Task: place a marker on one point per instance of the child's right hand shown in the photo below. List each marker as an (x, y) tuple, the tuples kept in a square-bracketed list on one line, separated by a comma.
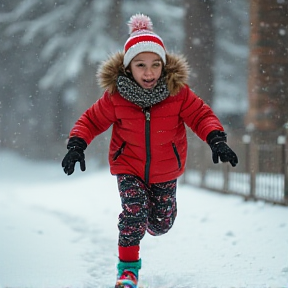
[(76, 148)]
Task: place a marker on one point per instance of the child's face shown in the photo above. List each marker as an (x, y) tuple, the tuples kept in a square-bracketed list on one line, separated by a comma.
[(146, 69)]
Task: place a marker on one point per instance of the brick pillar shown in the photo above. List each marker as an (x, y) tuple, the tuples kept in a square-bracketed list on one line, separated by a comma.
[(268, 65)]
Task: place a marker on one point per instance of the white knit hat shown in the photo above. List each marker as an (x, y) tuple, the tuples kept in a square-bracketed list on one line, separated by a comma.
[(142, 39)]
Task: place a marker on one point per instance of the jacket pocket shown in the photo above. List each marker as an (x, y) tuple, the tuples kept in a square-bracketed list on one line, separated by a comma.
[(177, 155), (119, 151)]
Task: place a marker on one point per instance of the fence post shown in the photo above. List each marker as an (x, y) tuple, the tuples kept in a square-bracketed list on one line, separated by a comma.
[(246, 139), (286, 164), (254, 166), (203, 167), (225, 177)]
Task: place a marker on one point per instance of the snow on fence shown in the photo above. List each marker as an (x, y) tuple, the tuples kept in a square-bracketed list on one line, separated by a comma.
[(261, 174)]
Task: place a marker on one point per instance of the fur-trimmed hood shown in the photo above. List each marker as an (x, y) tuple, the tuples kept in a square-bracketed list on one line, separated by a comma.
[(176, 72)]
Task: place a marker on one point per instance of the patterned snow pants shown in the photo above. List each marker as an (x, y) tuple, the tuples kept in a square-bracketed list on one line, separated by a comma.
[(152, 209)]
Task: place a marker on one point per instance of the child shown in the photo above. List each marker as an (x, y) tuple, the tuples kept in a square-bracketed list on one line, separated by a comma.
[(148, 102)]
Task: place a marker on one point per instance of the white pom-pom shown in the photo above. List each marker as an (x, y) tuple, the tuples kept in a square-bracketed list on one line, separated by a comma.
[(140, 22)]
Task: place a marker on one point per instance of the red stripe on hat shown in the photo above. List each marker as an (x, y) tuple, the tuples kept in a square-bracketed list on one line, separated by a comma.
[(143, 38)]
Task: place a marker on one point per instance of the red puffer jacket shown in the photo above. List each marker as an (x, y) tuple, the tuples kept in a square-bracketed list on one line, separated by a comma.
[(149, 143)]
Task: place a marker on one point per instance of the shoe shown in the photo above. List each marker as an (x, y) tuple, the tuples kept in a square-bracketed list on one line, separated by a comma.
[(128, 274)]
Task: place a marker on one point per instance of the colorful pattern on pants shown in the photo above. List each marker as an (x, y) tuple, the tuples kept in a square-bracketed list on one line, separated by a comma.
[(152, 209)]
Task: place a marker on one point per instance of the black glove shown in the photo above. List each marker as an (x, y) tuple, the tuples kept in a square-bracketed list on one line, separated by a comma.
[(217, 142), (76, 148)]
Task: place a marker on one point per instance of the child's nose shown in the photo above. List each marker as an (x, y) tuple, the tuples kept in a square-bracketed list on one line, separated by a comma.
[(148, 71)]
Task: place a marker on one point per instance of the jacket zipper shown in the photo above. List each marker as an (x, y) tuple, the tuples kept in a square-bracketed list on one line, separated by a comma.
[(147, 144)]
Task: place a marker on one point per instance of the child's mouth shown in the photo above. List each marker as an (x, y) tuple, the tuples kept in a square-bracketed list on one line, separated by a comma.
[(149, 83)]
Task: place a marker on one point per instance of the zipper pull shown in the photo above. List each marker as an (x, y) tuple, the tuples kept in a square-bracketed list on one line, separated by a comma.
[(147, 113)]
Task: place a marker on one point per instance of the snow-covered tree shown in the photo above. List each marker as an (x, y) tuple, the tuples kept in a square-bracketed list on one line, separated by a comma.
[(75, 32), (70, 32)]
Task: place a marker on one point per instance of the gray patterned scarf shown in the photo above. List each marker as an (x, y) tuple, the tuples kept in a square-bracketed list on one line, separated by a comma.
[(144, 98)]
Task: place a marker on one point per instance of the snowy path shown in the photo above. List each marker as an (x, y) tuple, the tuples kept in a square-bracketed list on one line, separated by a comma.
[(58, 231)]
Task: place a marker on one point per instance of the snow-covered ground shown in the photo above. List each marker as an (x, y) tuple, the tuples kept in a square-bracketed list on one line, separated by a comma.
[(58, 231)]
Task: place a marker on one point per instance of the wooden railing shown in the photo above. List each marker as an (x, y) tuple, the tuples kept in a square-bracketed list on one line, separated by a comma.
[(261, 174)]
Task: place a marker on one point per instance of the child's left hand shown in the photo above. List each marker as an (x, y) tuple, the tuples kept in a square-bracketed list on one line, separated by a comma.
[(217, 143), (224, 152)]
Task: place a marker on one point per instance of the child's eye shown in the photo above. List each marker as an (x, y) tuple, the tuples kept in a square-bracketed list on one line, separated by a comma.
[(140, 65), (156, 64)]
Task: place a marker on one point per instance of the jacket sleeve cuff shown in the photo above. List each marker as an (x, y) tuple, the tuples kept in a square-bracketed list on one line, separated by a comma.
[(216, 136)]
